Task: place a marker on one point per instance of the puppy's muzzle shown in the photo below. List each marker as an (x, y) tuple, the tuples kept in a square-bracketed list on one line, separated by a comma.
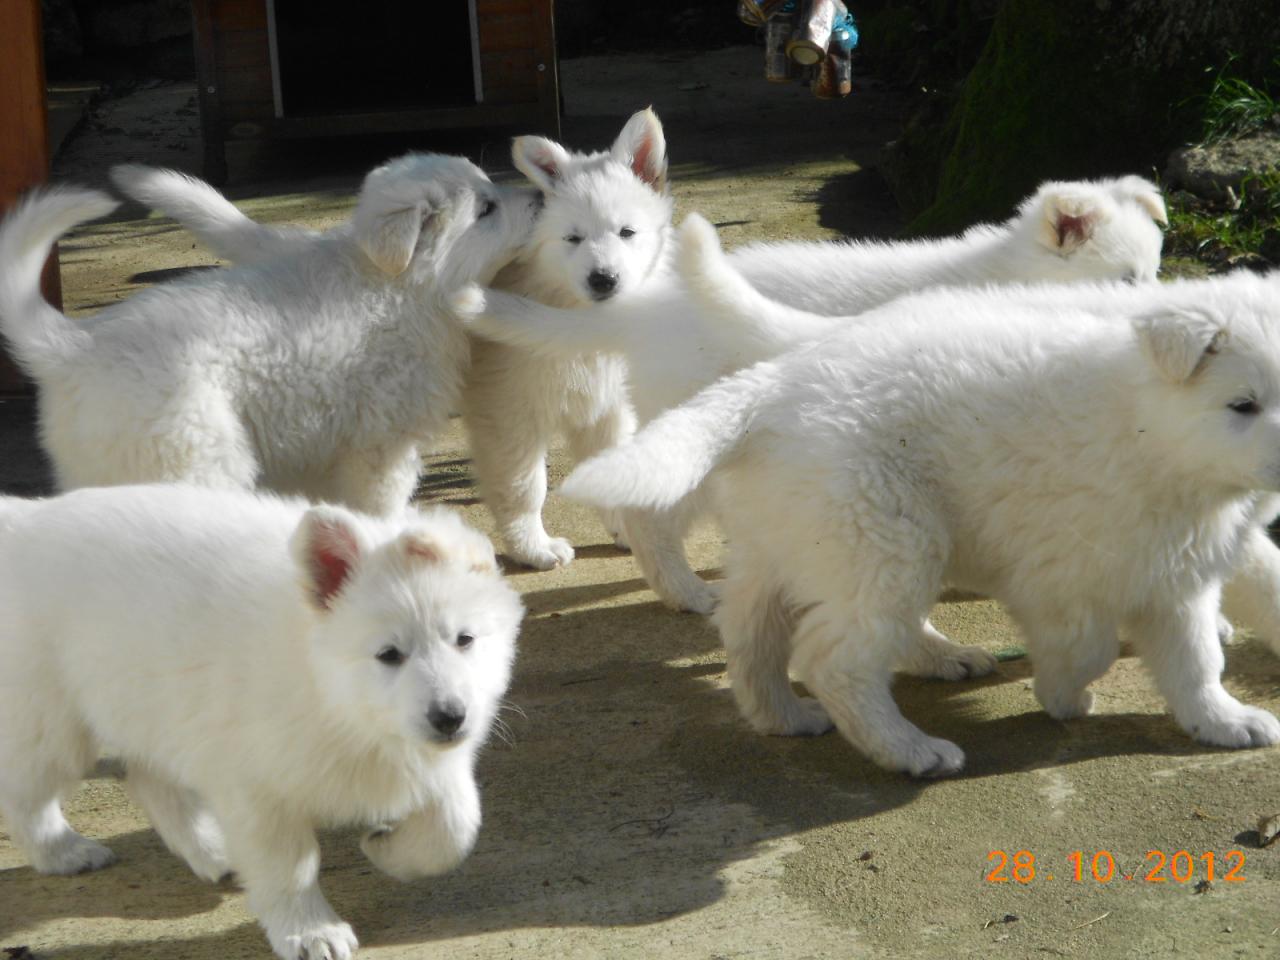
[(602, 284), (446, 720)]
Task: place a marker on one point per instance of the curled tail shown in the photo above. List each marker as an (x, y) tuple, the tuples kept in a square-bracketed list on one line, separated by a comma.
[(732, 304), (214, 219), (42, 337), (673, 454)]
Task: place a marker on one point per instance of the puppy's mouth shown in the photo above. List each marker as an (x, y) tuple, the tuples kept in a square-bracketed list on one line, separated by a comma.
[(600, 296)]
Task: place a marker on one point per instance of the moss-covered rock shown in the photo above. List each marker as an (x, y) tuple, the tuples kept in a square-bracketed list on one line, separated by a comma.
[(1075, 88)]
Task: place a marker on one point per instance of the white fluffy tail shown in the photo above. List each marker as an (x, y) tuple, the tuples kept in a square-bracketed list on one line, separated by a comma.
[(727, 298), (673, 454), (42, 338), (214, 219)]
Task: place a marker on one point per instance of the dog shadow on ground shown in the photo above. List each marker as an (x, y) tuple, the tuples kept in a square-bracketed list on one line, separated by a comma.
[(623, 790)]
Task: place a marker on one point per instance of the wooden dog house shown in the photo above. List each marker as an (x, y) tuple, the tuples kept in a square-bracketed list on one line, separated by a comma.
[(274, 69)]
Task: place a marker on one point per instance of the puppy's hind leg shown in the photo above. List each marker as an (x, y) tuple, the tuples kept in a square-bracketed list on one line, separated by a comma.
[(186, 828), (657, 541), (44, 753), (1252, 595), (755, 626), (614, 425), (845, 654)]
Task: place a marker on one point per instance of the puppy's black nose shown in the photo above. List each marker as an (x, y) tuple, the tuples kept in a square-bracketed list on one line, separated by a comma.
[(602, 283), (448, 718)]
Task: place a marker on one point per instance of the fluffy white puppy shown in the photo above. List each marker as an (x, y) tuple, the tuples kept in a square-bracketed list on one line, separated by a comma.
[(315, 372), (604, 235), (1097, 464), (674, 345), (264, 668)]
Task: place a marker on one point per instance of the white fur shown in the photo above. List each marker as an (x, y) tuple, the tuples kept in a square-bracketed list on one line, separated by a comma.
[(226, 645), (1076, 458), (676, 340), (317, 371), (515, 401)]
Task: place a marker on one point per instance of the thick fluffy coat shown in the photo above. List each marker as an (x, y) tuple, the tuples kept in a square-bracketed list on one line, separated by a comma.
[(603, 235), (263, 668), (674, 344), (318, 371), (1097, 462)]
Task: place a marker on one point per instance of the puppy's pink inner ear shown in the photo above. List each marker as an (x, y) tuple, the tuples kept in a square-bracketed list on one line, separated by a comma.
[(1073, 231), (645, 163), (421, 550), (331, 558)]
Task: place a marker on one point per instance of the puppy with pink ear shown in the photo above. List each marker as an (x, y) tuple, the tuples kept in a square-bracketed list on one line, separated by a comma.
[(264, 668)]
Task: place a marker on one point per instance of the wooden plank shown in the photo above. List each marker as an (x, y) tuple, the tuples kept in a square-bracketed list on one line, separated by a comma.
[(547, 67), (215, 158), (445, 118), (240, 15), (24, 158)]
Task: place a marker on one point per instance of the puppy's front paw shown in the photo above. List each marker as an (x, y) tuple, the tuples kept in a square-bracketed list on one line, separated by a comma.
[(72, 853), (1237, 726), (1062, 703), (963, 662), (544, 554), (1226, 632), (803, 717), (467, 303), (931, 757), (322, 941)]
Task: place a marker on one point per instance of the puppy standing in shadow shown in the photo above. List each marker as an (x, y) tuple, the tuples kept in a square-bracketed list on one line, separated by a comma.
[(318, 370), (603, 236), (1097, 458), (263, 668)]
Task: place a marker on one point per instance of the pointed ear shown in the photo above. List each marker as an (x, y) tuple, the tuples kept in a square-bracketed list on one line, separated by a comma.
[(389, 239), (643, 147), (1069, 219), (1180, 341), (327, 546), (543, 161), (1146, 195)]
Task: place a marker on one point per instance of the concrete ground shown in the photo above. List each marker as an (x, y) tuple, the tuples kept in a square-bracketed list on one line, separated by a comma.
[(629, 812)]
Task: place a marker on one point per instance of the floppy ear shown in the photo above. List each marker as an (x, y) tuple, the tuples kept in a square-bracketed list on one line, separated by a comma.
[(642, 146), (1069, 219), (543, 161), (1146, 195), (473, 551), (389, 239), (1180, 341), (327, 546)]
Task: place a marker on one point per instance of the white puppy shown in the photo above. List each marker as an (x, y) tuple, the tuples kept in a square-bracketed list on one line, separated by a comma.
[(1096, 463), (316, 372), (603, 236), (264, 668), (674, 345)]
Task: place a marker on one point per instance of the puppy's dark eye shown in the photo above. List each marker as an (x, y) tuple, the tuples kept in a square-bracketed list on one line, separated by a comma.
[(573, 238), (626, 233), (391, 656), (465, 640), (1246, 406), (488, 208)]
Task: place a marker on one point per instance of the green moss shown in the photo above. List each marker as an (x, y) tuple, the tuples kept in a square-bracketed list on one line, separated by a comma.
[(1062, 90)]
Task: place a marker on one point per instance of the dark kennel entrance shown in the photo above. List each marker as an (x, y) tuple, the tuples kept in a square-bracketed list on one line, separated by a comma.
[(396, 56), (270, 70)]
